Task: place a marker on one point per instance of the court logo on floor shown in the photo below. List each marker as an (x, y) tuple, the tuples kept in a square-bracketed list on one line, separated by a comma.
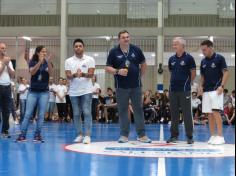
[(155, 150)]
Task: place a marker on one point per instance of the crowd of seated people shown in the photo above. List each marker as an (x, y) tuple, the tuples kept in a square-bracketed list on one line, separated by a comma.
[(156, 106)]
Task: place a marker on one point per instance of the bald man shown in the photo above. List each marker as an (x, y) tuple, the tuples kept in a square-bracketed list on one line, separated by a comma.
[(183, 71)]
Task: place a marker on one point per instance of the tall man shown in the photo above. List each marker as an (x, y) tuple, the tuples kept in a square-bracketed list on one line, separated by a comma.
[(127, 63), (80, 71), (214, 77), (183, 71), (6, 73)]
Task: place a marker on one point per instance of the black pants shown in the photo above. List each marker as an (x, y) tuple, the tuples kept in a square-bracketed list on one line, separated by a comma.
[(69, 110), (62, 112), (5, 103), (95, 103), (181, 100)]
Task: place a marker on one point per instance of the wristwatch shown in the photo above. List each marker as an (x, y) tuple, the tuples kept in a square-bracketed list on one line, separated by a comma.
[(117, 72)]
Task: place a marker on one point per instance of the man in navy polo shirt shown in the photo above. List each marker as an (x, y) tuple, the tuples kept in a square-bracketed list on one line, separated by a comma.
[(214, 77), (183, 71), (127, 63)]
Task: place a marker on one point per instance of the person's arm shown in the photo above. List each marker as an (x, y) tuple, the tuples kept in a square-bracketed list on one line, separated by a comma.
[(224, 81), (143, 68), (225, 76), (11, 70), (193, 69), (202, 80), (6, 62)]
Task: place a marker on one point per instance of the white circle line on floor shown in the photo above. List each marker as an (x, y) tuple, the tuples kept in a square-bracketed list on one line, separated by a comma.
[(157, 149)]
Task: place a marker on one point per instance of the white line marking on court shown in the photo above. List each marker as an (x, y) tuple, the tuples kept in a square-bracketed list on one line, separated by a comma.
[(161, 170)]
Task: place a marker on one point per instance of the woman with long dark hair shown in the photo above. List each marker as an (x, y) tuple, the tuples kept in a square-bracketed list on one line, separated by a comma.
[(40, 69)]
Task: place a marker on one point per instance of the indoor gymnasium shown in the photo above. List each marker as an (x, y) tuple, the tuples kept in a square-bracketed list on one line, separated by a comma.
[(117, 87)]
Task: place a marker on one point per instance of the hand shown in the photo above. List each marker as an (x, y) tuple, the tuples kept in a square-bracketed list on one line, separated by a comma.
[(79, 72), (41, 58), (123, 72), (50, 58), (6, 60), (200, 90), (220, 90)]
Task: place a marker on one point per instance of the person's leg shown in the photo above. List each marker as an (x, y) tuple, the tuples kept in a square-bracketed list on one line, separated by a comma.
[(86, 105), (6, 103), (60, 111), (122, 97), (219, 122), (185, 103), (217, 107), (75, 101), (175, 115), (42, 106), (65, 111), (212, 123), (137, 104), (30, 107), (22, 109)]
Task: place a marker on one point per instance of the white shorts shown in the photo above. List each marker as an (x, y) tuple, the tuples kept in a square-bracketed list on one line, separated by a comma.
[(212, 101)]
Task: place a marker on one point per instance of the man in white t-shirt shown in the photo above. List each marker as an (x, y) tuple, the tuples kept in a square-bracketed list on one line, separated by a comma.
[(79, 70), (23, 90), (6, 73), (52, 100), (61, 92)]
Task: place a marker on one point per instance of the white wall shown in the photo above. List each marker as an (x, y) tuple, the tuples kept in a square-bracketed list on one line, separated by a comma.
[(193, 7)]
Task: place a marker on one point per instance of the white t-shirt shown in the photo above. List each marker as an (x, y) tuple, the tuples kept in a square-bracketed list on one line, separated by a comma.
[(96, 86), (80, 86), (5, 79), (52, 97), (22, 87), (195, 103), (61, 91)]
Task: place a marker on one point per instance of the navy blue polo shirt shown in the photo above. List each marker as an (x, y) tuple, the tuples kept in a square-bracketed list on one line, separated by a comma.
[(180, 68), (39, 81), (117, 60), (212, 71)]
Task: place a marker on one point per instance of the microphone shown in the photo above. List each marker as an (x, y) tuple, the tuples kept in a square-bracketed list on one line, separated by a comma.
[(127, 64)]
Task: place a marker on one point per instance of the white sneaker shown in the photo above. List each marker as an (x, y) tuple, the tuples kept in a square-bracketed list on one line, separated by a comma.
[(79, 139), (211, 140), (219, 140), (87, 140)]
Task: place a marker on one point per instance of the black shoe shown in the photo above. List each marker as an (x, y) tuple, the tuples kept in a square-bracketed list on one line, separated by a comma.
[(21, 138), (172, 140), (190, 141), (6, 135), (38, 139)]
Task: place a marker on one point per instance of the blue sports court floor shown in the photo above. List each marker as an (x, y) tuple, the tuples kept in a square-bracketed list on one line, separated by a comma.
[(57, 157)]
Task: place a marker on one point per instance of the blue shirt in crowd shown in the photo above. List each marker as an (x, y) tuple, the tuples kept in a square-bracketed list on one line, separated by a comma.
[(117, 59), (180, 68), (39, 81), (212, 71)]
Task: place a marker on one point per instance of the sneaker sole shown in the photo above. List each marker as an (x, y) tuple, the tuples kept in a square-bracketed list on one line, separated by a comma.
[(38, 141), (21, 141), (146, 142), (123, 142)]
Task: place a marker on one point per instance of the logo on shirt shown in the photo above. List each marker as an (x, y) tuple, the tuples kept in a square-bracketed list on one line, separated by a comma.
[(120, 57), (204, 66), (213, 65), (133, 55), (84, 66), (173, 63), (182, 63)]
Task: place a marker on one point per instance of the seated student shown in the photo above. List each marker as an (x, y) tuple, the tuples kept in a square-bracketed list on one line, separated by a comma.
[(148, 108), (229, 113), (110, 107), (196, 104)]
